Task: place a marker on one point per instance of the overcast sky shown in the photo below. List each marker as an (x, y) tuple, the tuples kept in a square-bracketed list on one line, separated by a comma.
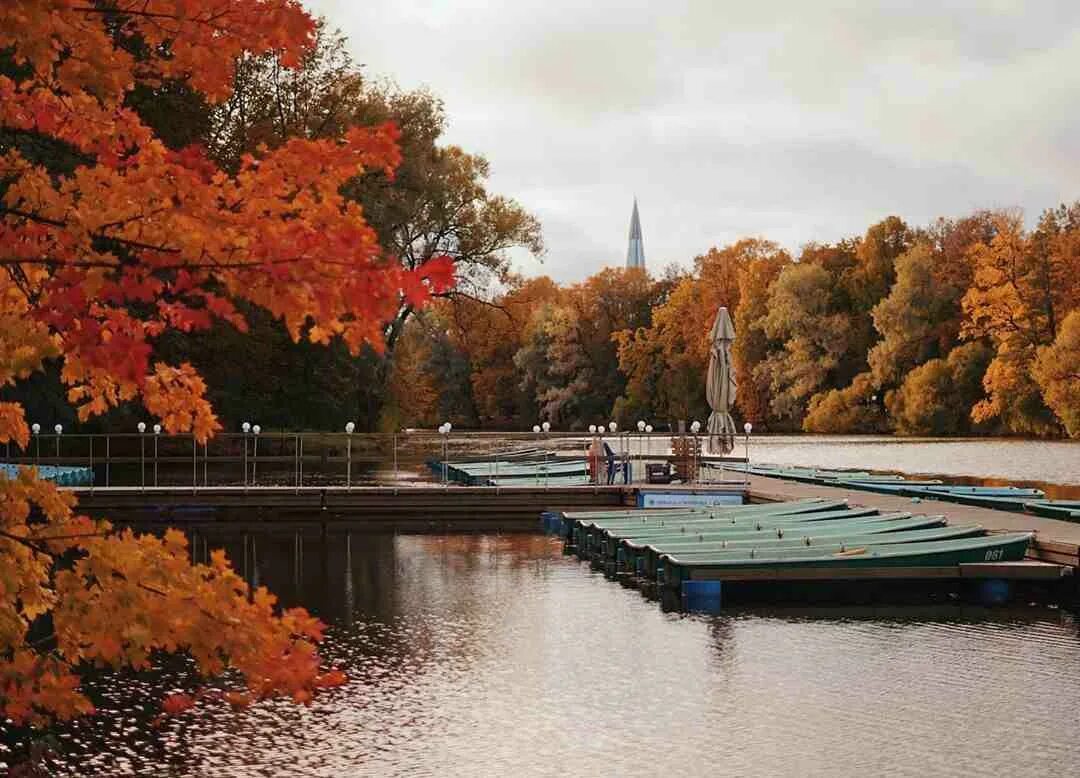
[(794, 120)]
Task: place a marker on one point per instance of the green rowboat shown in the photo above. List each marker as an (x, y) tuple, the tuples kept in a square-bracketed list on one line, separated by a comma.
[(1006, 547), (646, 565), (1069, 510), (649, 552), (601, 539)]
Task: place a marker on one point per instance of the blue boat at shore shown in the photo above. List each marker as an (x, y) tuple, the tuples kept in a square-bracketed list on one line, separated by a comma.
[(61, 476)]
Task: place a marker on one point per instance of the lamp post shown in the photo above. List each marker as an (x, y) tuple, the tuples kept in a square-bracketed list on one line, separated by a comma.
[(747, 428), (641, 443), (59, 428), (141, 427), (349, 428), (613, 428), (36, 429), (648, 442), (444, 430), (544, 464), (157, 431), (255, 429), (546, 427), (590, 449), (695, 428), (246, 428)]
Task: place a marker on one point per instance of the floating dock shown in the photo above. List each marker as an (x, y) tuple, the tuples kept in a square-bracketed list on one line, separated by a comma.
[(1056, 541), (1008, 498), (979, 553)]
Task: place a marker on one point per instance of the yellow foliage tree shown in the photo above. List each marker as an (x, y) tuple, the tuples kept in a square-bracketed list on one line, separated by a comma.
[(1024, 285), (1057, 372)]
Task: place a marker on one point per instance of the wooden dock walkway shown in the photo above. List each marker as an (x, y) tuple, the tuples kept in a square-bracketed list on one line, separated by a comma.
[(1055, 540), (411, 508)]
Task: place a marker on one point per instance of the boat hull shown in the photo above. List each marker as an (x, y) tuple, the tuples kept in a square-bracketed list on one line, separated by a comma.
[(949, 553)]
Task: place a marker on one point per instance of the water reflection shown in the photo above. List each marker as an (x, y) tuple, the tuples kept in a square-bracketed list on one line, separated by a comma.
[(487, 655)]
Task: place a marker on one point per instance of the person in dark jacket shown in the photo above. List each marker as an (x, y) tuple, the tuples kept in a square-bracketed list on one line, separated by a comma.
[(611, 463)]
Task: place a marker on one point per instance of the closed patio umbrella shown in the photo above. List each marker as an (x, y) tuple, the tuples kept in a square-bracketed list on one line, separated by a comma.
[(720, 384)]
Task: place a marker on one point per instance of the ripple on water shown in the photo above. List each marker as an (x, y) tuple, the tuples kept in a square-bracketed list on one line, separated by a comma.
[(498, 656)]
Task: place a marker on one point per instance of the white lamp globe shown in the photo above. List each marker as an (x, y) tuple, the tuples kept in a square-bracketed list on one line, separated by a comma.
[(349, 427), (695, 427), (256, 429), (141, 426), (157, 429), (641, 426), (536, 428), (613, 426), (747, 427), (59, 428), (35, 428), (547, 426), (592, 429), (648, 428), (246, 427)]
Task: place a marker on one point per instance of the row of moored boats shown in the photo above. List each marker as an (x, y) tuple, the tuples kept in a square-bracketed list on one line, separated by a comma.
[(674, 545), (1010, 498)]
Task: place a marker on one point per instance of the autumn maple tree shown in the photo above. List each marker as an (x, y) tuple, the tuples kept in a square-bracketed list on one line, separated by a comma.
[(108, 239)]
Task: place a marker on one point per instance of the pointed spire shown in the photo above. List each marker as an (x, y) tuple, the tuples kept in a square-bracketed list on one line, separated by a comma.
[(635, 251)]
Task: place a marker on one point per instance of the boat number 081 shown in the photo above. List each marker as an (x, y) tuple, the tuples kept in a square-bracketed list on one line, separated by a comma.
[(994, 554)]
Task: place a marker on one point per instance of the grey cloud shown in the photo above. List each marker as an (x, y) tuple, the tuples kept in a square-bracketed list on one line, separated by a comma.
[(792, 120)]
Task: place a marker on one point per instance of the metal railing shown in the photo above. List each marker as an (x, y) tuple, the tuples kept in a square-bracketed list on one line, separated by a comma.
[(300, 459)]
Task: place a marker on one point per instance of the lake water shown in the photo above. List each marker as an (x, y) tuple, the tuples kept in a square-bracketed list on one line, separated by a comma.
[(485, 655), (1052, 465), (1055, 462)]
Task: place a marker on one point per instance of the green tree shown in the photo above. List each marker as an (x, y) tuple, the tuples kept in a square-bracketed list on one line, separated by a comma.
[(851, 409), (1057, 372), (554, 367), (920, 319), (874, 271), (936, 396), (804, 315)]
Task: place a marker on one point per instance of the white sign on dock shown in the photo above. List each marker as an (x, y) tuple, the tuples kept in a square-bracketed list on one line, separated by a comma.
[(686, 499)]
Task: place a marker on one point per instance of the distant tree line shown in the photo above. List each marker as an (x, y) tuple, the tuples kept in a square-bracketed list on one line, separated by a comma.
[(966, 326)]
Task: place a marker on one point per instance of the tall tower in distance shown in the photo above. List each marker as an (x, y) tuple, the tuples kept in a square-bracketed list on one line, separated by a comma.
[(635, 251)]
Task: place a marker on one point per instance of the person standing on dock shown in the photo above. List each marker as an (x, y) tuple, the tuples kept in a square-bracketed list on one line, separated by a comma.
[(593, 458), (609, 456)]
